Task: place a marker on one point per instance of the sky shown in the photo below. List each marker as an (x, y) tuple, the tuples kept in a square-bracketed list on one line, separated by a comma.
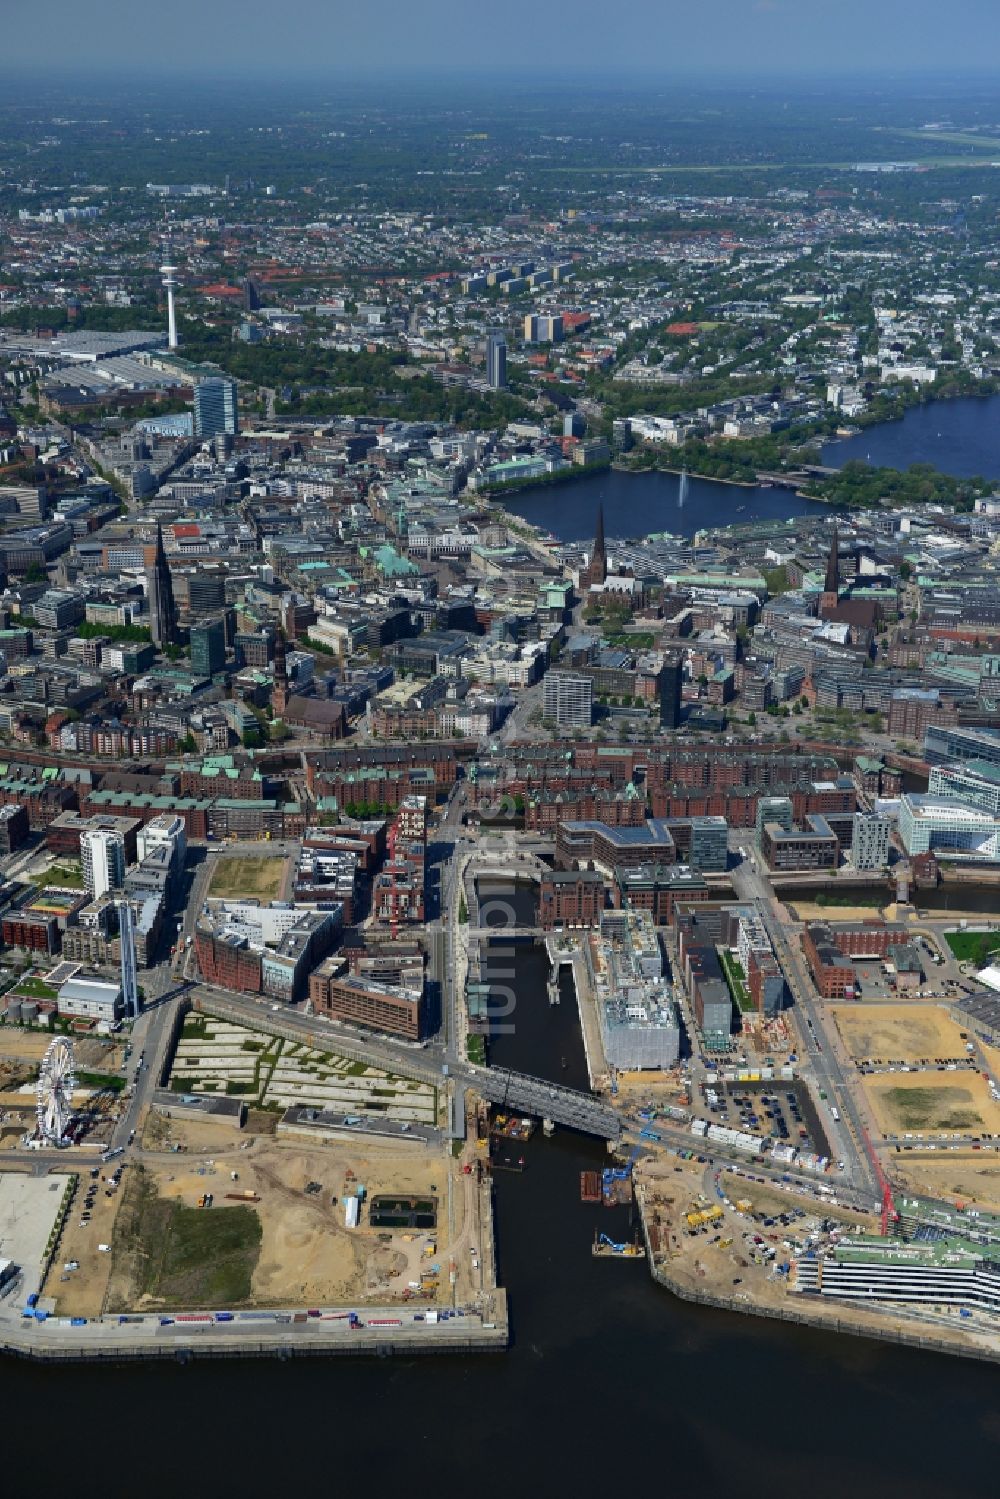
[(690, 37)]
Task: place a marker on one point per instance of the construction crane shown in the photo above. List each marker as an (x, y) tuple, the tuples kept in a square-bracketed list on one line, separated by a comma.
[(890, 1214)]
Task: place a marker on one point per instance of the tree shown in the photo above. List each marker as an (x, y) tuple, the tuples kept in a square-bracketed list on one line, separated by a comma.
[(752, 719), (905, 570)]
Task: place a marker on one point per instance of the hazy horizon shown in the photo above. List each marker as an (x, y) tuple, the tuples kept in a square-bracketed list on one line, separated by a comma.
[(672, 39)]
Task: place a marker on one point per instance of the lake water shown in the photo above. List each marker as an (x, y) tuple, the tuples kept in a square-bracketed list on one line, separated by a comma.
[(960, 437), (611, 1385), (637, 504)]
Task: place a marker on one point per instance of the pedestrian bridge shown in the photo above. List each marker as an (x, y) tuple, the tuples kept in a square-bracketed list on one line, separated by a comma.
[(533, 1095)]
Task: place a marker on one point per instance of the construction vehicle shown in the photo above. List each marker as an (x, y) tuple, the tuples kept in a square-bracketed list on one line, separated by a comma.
[(603, 1246)]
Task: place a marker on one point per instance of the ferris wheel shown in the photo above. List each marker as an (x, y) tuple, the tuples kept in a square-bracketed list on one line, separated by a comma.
[(54, 1092)]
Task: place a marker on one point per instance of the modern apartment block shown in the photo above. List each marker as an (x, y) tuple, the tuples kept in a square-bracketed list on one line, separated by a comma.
[(870, 844), (102, 855)]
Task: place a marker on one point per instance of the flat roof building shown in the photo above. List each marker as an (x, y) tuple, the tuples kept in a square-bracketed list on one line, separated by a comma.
[(948, 828)]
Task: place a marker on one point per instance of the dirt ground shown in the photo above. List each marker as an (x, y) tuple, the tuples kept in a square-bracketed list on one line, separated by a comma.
[(26, 1045), (308, 1256), (716, 1258), (81, 1293), (161, 1134), (808, 910), (932, 1103), (898, 1032), (964, 1177), (769, 1201), (706, 1263)]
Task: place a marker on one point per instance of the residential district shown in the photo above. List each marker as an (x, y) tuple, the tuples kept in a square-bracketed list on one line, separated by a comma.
[(293, 707)]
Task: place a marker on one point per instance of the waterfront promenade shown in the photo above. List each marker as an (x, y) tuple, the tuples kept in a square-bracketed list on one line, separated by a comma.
[(258, 1334)]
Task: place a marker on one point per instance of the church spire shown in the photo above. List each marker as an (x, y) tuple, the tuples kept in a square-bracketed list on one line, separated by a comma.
[(279, 696), (162, 611), (599, 558)]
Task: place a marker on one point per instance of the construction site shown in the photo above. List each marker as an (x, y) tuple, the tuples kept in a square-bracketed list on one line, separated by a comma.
[(724, 1239), (204, 1217)]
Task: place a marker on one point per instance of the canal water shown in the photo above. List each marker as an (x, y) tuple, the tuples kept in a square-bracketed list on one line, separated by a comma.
[(611, 1385), (960, 897)]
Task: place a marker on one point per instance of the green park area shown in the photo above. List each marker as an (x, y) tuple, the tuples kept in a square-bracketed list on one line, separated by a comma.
[(973, 947)]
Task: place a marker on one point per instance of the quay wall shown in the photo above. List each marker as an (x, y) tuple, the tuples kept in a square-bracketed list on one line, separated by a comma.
[(806, 1316)]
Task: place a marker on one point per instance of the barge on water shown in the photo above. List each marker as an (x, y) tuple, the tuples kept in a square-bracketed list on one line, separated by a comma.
[(512, 1127), (605, 1248), (590, 1186)]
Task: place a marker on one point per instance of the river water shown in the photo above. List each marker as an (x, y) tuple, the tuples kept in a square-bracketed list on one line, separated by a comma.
[(960, 437), (610, 1384)]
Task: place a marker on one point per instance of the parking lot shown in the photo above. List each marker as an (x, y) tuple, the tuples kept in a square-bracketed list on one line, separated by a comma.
[(29, 1206), (780, 1109)]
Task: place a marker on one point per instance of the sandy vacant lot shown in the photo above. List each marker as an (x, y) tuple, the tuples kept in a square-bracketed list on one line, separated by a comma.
[(898, 1032), (963, 1178), (81, 1293), (807, 910), (23, 1045), (307, 1255), (932, 1103)]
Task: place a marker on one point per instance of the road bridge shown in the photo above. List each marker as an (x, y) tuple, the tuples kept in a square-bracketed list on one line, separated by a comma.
[(495, 933), (533, 1095)]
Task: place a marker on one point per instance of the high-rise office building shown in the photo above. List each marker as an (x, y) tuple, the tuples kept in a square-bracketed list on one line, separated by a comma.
[(102, 855), (162, 613), (208, 647), (709, 850), (496, 361), (206, 591), (569, 699), (215, 408), (671, 677)]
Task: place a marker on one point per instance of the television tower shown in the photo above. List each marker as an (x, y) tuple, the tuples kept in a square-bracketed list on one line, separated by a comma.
[(169, 274)]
